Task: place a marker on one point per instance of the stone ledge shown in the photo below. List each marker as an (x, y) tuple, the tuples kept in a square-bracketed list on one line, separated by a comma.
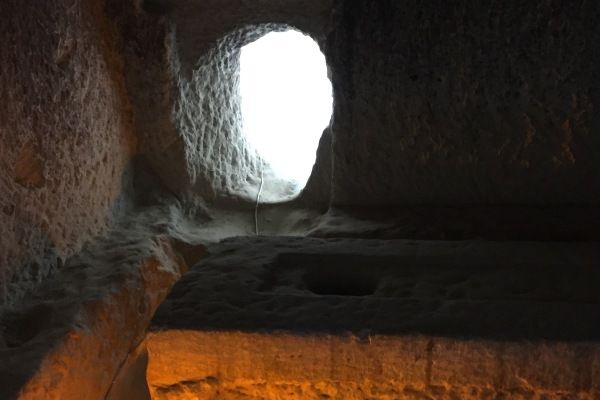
[(238, 365), (277, 317), (70, 339)]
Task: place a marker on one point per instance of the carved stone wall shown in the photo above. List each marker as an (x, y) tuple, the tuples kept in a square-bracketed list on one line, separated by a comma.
[(65, 134)]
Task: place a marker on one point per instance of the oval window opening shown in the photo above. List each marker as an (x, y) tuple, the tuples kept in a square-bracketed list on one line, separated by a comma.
[(286, 105)]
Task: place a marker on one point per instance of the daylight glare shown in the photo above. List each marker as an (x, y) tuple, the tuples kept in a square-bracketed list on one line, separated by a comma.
[(286, 101)]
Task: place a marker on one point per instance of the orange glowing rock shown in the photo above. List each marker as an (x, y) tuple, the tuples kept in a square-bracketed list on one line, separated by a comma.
[(235, 365), (93, 314), (300, 318)]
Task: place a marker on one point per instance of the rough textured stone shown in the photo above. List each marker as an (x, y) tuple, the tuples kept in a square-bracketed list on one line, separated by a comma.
[(460, 223), (66, 136), (187, 100), (308, 318), (71, 337), (436, 103), (130, 383), (240, 365), (475, 102), (317, 191)]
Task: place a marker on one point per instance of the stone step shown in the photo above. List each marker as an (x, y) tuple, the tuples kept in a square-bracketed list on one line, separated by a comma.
[(306, 318)]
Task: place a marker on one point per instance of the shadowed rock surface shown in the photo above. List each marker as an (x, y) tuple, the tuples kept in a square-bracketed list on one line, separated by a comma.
[(123, 156), (495, 290), (303, 318)]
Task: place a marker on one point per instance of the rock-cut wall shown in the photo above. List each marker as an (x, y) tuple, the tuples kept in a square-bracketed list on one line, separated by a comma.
[(468, 102), (65, 134), (474, 103), (182, 62)]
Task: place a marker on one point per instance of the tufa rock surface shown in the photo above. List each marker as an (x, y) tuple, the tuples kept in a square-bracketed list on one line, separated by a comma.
[(66, 134), (306, 318)]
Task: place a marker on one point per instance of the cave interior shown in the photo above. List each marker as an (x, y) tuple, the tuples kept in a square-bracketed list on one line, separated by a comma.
[(444, 247)]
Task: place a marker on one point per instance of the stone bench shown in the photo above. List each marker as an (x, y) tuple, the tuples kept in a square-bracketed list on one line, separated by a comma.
[(289, 318)]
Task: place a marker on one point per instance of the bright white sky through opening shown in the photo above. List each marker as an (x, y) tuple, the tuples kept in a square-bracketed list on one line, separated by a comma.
[(286, 101)]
